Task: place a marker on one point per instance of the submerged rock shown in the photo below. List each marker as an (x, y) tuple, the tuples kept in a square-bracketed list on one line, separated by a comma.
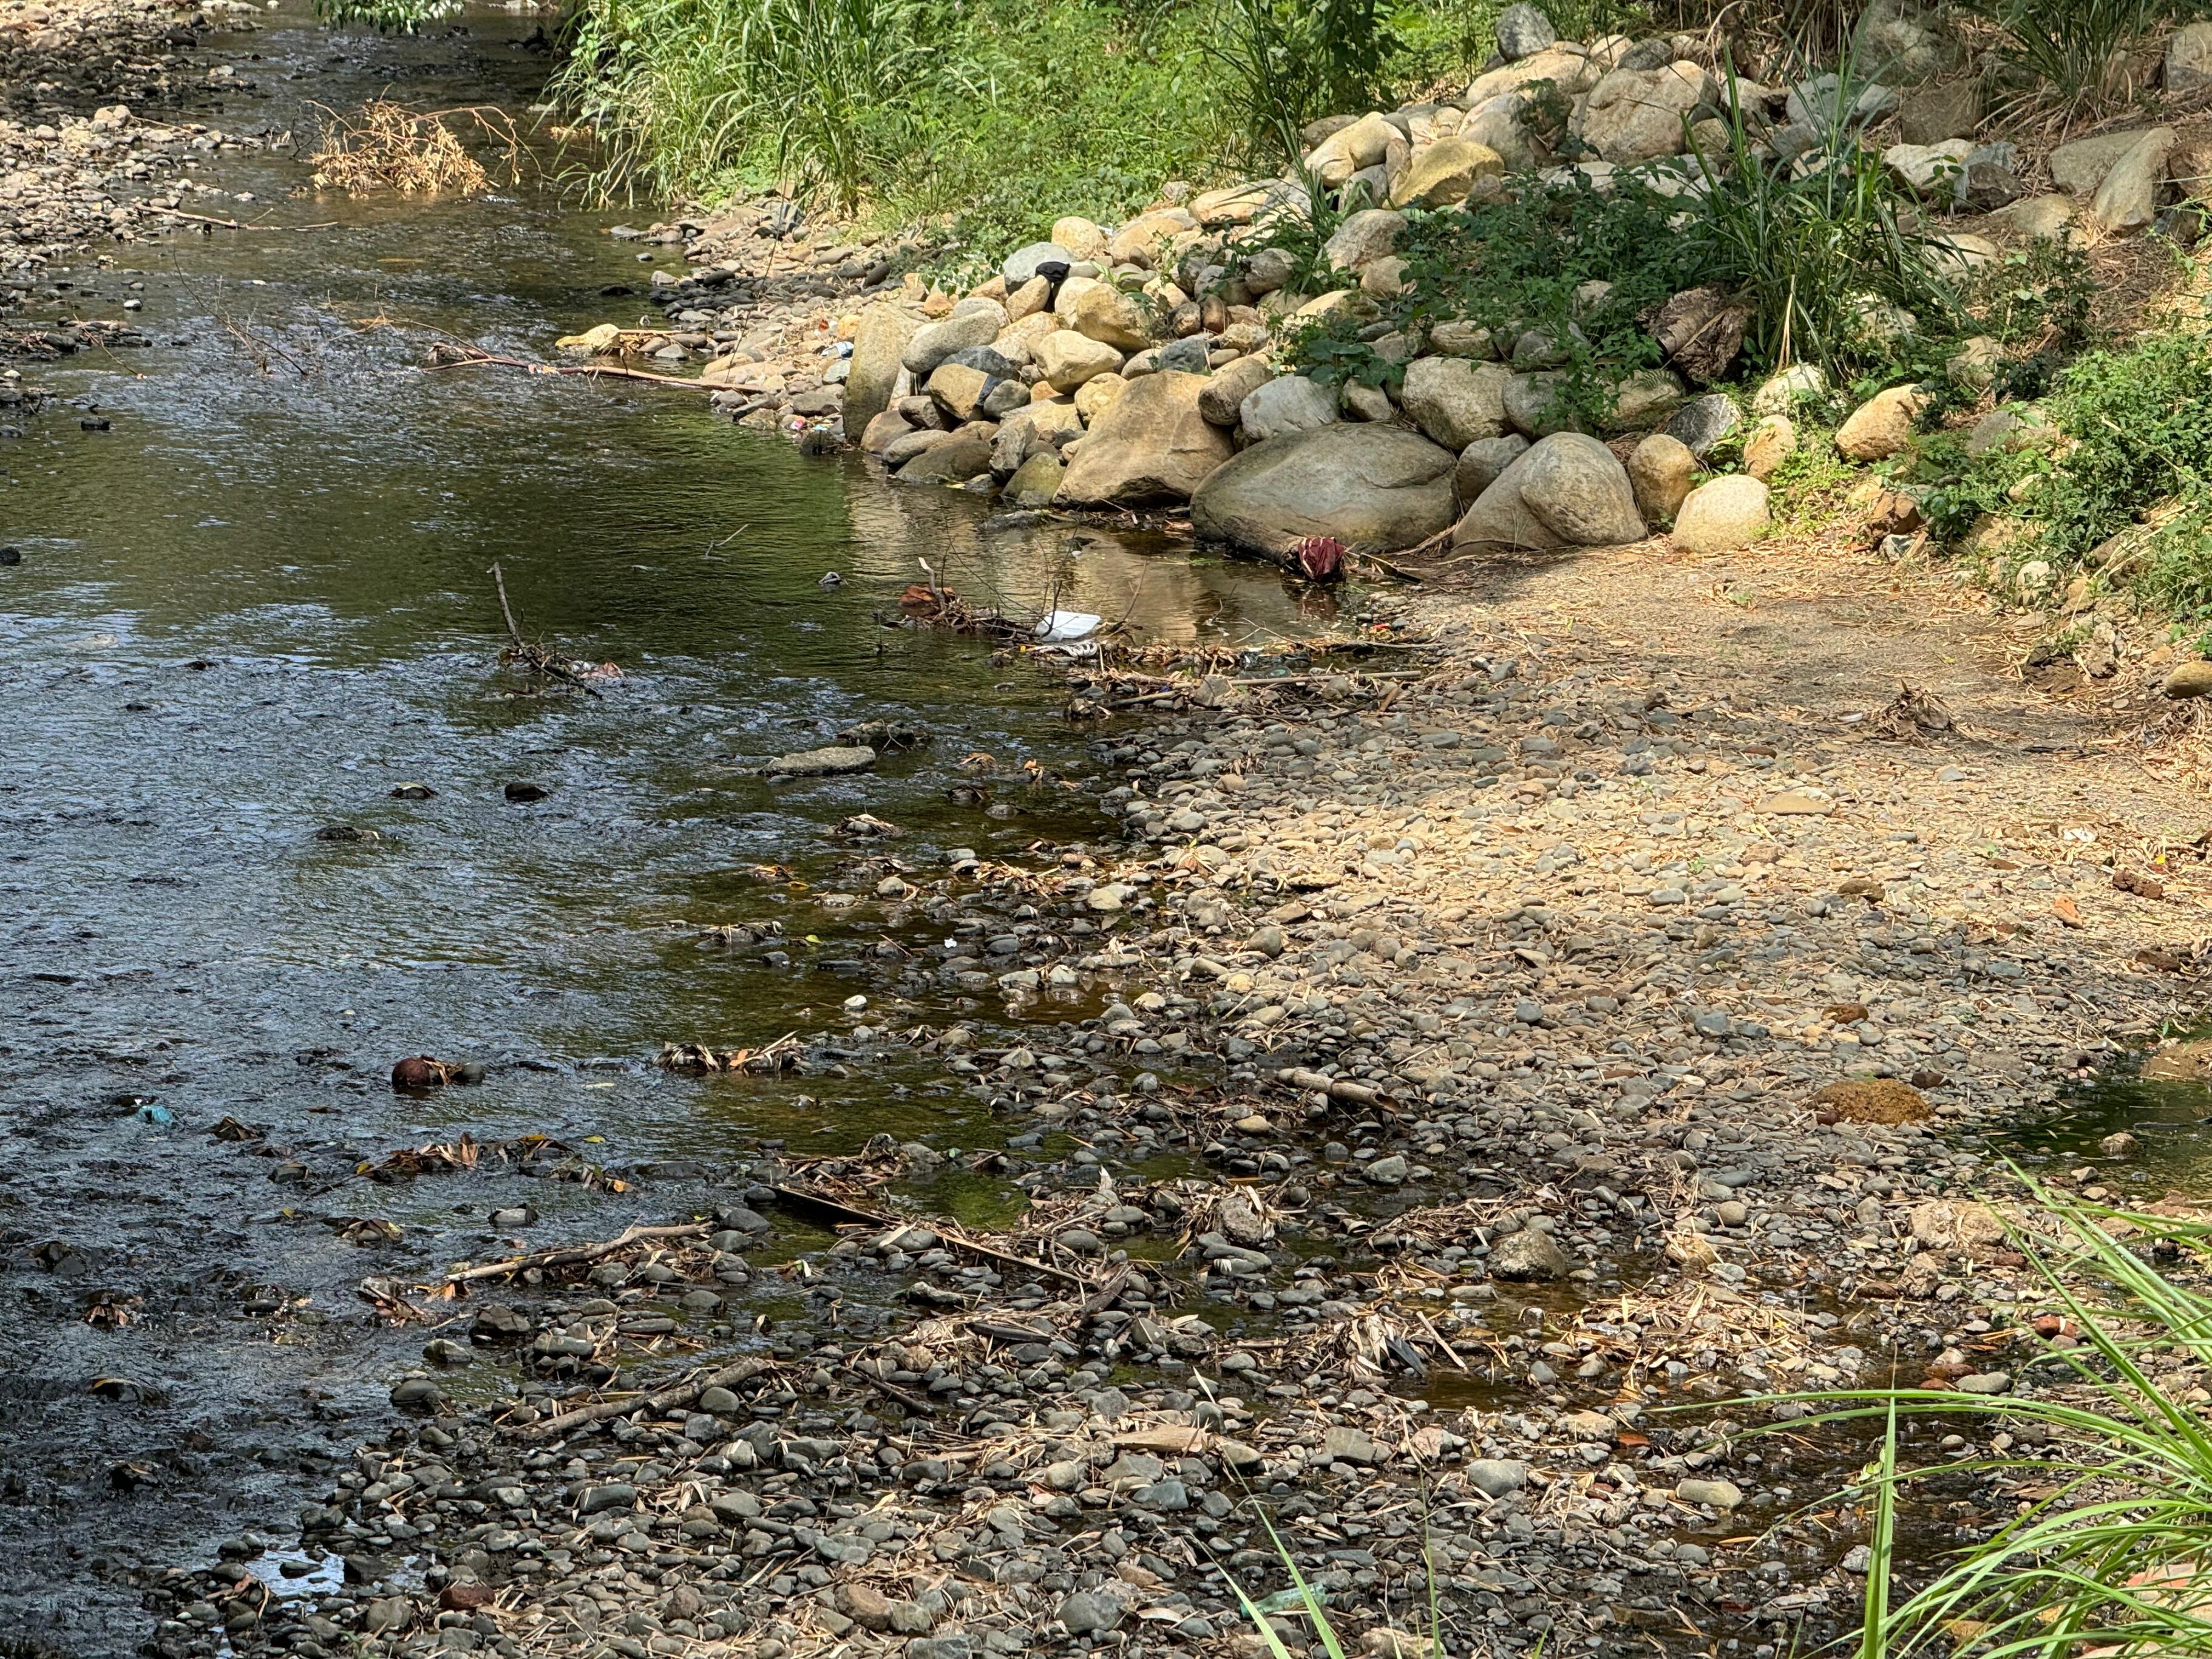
[(820, 762)]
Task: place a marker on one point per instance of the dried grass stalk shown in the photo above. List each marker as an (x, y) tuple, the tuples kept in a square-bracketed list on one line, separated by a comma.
[(387, 146)]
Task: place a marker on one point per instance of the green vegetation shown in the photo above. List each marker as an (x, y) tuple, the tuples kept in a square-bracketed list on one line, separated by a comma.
[(2122, 480), (2117, 1551), (994, 120), (400, 16), (1823, 255), (2078, 50), (1523, 266), (1823, 250)]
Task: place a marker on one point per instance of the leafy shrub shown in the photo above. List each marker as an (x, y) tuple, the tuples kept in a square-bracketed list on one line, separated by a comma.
[(1521, 266), (2133, 448)]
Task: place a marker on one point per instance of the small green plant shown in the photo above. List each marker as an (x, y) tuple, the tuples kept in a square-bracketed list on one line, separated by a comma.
[(2080, 51), (1302, 1598), (2119, 1550)]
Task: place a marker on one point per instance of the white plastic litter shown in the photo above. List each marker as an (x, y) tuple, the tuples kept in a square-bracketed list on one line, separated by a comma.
[(1063, 627)]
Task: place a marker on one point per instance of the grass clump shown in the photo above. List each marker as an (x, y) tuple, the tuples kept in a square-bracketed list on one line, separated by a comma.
[(2117, 1556), (387, 146), (2122, 482)]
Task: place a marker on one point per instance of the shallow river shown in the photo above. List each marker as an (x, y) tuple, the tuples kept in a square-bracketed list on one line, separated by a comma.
[(257, 603)]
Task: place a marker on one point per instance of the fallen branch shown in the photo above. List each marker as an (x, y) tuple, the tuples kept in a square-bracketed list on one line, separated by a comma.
[(236, 224), (1342, 1090), (952, 1238), (661, 1400), (913, 1403), (537, 656), (568, 1255), (458, 355)]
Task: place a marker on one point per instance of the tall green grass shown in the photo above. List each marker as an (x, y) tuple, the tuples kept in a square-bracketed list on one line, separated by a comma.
[(2118, 1554), (1818, 247), (992, 120)]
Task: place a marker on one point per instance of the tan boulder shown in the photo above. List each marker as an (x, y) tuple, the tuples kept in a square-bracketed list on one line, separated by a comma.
[(1722, 515), (1567, 490), (1069, 359), (1447, 172), (1118, 319), (877, 344), (1364, 143), (1661, 470), (1081, 237), (1772, 442), (1881, 427), (1151, 445), (1139, 241)]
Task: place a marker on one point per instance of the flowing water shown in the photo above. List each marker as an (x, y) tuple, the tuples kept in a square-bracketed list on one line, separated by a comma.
[(255, 602)]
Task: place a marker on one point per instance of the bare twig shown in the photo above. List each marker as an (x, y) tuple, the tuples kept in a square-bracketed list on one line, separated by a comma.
[(675, 1394), (568, 1255)]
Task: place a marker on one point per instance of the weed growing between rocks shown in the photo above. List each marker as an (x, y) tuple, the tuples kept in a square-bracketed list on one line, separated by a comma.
[(2112, 1466), (2109, 476), (1824, 246), (1560, 278)]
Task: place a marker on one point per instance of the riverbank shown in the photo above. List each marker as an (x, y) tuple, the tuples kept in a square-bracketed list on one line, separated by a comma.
[(1432, 1084), (1472, 1038)]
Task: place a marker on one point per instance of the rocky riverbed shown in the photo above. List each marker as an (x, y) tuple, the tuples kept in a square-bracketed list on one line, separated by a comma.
[(1460, 1068), (1466, 1063)]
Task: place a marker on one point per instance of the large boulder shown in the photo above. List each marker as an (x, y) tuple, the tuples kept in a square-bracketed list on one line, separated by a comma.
[(1364, 143), (1080, 236), (1455, 400), (1038, 258), (1881, 426), (1637, 115), (1447, 172), (1068, 359), (2189, 59), (973, 323), (1288, 403), (1380, 488), (1223, 400), (2127, 198), (1536, 404), (1523, 31), (1150, 446), (1660, 471), (877, 347), (1240, 205), (1105, 313), (1364, 237), (1567, 491), (956, 458), (1501, 124), (1568, 67), (1480, 463), (2080, 165), (1929, 115), (1722, 515)]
